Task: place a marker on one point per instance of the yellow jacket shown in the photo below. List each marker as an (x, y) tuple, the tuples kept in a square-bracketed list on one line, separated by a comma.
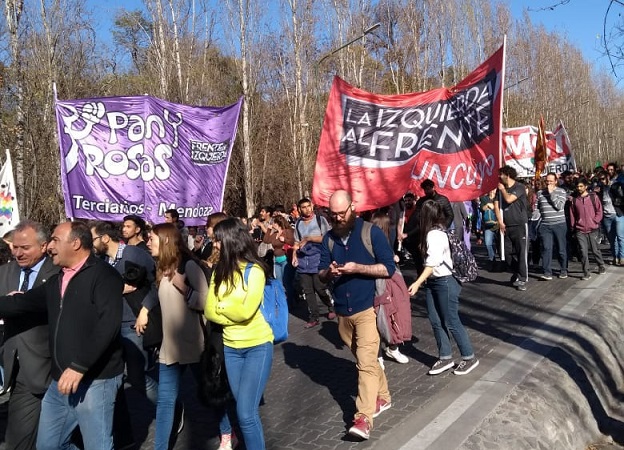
[(243, 323)]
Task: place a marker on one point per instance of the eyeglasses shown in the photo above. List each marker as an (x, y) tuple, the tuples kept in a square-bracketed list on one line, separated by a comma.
[(97, 237), (342, 214)]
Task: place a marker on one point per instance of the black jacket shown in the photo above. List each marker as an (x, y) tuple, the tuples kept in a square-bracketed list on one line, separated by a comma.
[(84, 323), (26, 336)]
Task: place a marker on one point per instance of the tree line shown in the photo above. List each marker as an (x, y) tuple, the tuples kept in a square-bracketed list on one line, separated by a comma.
[(276, 53)]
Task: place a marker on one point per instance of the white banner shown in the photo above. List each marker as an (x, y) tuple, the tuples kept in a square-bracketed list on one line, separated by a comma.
[(519, 150), (9, 214)]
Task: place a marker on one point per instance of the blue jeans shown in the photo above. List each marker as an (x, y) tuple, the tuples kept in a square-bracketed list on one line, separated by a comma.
[(442, 295), (91, 408), (614, 226), (278, 269), (248, 371), (137, 363), (554, 234), (489, 235), (168, 389)]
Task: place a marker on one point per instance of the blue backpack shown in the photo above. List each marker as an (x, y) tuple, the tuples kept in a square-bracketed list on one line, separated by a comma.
[(274, 306)]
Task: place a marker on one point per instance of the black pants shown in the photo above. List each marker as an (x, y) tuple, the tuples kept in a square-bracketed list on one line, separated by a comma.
[(311, 285), (23, 420), (516, 252)]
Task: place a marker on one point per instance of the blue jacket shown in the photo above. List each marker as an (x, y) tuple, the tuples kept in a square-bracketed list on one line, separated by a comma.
[(355, 293)]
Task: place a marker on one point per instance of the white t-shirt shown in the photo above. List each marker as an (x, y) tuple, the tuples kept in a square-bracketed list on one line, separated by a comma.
[(438, 253)]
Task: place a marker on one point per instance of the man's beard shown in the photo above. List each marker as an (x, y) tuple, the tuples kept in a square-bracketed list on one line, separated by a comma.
[(101, 251), (342, 229)]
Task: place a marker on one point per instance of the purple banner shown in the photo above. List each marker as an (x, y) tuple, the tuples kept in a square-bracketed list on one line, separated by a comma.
[(143, 155)]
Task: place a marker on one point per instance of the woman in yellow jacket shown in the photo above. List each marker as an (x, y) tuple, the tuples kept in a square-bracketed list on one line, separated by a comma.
[(247, 337)]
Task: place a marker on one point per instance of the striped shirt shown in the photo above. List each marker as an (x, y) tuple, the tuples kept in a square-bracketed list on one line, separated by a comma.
[(552, 205)]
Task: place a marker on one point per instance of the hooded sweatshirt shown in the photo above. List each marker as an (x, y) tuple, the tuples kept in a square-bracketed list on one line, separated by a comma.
[(585, 213)]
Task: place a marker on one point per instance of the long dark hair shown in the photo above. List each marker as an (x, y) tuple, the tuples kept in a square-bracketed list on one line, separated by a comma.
[(237, 245), (431, 216)]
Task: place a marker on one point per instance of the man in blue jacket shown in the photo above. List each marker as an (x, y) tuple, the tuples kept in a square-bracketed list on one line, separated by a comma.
[(84, 306), (347, 261)]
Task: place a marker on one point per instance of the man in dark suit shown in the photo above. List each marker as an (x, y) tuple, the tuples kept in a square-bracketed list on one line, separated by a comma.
[(26, 352)]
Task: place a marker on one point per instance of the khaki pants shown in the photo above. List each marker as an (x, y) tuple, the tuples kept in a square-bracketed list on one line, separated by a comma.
[(359, 332)]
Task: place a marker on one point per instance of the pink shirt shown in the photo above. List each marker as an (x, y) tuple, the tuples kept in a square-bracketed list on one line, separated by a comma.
[(69, 273)]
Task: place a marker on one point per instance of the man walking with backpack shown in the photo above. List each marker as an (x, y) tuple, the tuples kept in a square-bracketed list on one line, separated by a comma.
[(347, 260), (585, 217), (309, 231)]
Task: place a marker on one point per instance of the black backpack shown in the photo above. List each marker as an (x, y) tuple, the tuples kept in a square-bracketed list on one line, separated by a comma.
[(464, 263)]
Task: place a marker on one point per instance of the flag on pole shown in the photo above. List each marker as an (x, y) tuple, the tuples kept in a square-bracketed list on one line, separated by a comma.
[(541, 155), (9, 214)]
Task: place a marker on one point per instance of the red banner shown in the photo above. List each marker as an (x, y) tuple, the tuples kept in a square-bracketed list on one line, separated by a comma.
[(380, 146)]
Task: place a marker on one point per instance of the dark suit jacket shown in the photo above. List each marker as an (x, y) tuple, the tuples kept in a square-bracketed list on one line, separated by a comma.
[(26, 336)]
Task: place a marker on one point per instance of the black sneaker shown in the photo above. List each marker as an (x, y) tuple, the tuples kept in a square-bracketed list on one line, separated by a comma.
[(466, 366), (602, 269), (441, 365), (586, 277)]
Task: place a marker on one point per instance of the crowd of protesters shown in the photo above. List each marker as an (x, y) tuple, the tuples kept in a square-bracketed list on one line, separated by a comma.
[(145, 303)]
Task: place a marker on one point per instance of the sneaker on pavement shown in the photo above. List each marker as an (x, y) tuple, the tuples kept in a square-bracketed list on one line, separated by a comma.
[(563, 275), (228, 442), (586, 277), (311, 324), (546, 277), (521, 286), (382, 405), (331, 315), (396, 355), (602, 269), (466, 366), (361, 428), (440, 366)]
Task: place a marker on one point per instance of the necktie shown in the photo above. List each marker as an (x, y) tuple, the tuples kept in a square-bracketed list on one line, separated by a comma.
[(24, 286)]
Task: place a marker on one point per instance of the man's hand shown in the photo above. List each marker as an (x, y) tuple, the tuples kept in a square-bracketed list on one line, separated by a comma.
[(501, 187), (69, 381), (199, 241), (345, 269), (501, 227)]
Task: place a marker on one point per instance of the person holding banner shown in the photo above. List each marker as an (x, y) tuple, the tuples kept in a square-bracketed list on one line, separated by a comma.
[(512, 210)]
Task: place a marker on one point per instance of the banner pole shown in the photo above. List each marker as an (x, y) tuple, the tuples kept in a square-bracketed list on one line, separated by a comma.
[(501, 155)]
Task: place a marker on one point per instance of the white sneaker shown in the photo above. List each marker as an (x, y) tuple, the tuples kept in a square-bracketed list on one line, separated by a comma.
[(396, 355)]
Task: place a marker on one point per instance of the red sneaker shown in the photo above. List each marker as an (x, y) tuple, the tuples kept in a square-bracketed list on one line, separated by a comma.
[(382, 405), (361, 428)]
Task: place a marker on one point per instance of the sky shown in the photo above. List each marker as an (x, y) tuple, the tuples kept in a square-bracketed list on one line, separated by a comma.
[(580, 20)]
